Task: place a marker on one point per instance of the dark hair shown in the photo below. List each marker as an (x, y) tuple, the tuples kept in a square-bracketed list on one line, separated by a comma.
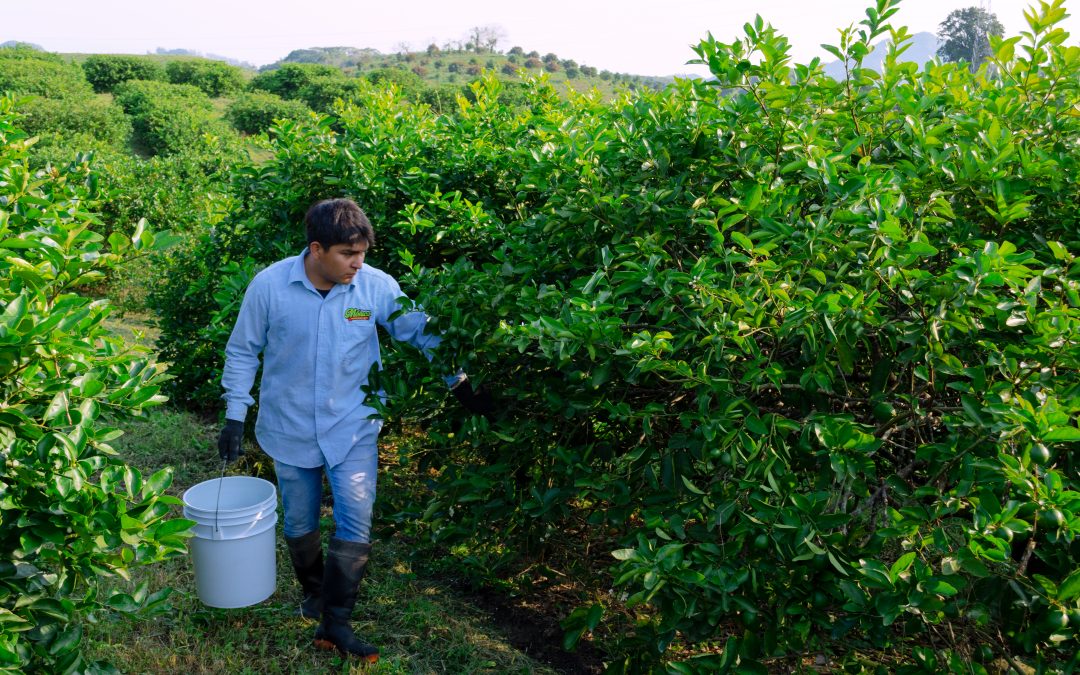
[(338, 221)]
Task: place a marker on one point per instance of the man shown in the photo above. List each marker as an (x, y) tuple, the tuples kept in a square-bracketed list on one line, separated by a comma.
[(313, 318)]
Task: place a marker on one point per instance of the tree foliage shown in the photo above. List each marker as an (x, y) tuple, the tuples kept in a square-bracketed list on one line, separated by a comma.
[(62, 125), (170, 118), (288, 80), (105, 71), (965, 35), (214, 78), (71, 513), (254, 112), (26, 71), (799, 357)]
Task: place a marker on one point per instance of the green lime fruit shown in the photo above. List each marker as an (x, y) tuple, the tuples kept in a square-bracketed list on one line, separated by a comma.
[(883, 412), (1074, 617), (1039, 453), (761, 542), (1052, 519), (1056, 619)]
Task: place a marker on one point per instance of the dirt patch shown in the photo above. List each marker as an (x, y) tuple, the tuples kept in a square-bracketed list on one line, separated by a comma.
[(534, 631)]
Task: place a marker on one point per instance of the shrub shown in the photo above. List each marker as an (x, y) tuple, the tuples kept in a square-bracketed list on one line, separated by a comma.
[(26, 50), (105, 71), (410, 84), (72, 514), (214, 78), (321, 92), (288, 80), (254, 112), (24, 74), (799, 356), (184, 192), (442, 98), (168, 118), (56, 120)]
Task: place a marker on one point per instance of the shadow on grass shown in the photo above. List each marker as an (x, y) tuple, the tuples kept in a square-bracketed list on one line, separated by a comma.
[(419, 625)]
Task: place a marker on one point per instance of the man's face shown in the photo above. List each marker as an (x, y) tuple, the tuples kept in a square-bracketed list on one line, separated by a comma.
[(337, 264)]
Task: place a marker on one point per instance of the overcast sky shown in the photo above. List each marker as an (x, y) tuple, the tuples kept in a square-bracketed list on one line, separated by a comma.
[(645, 37)]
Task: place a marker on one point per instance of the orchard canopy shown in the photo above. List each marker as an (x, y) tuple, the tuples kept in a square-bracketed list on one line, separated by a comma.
[(789, 350), (782, 362)]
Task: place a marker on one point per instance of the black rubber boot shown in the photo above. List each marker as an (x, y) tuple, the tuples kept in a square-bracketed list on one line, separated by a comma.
[(307, 559), (345, 564)]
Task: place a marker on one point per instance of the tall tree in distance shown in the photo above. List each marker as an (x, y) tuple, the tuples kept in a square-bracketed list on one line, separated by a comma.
[(964, 35)]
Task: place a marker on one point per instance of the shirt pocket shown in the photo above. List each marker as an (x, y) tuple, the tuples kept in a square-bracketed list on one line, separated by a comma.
[(359, 342)]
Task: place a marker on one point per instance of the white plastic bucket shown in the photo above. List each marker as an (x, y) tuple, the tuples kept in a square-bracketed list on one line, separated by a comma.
[(233, 549)]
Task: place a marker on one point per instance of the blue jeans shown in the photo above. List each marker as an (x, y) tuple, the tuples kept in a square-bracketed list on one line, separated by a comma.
[(352, 483)]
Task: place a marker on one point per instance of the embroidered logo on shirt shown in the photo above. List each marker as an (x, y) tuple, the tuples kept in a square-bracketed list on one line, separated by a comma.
[(354, 314)]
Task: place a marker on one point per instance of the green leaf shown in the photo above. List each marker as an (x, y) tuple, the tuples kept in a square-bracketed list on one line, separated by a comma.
[(158, 482), (690, 486), (902, 564), (66, 641), (173, 526), (1062, 434), (742, 240), (57, 406), (624, 553), (921, 249), (20, 243), (940, 587), (1070, 587), (14, 312)]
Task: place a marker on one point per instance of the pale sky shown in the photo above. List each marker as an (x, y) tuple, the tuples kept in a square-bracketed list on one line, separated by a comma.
[(643, 37)]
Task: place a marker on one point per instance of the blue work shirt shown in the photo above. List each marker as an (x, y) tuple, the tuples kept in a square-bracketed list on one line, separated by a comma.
[(317, 353)]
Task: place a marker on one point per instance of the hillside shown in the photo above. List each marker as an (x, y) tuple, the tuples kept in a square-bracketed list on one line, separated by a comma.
[(438, 66), (923, 48)]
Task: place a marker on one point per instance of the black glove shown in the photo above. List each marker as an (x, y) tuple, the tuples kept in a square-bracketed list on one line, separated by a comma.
[(478, 402), (228, 443)]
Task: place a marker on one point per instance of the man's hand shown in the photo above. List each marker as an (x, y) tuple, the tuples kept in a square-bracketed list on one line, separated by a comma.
[(478, 402), (229, 441)]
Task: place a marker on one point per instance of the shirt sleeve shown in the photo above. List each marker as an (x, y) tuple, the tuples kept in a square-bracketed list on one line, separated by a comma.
[(410, 326), (247, 341)]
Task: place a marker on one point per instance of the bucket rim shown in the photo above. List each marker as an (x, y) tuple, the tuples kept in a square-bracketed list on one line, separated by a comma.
[(211, 484)]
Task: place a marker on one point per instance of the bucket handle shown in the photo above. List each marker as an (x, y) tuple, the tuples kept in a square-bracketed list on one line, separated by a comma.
[(217, 504)]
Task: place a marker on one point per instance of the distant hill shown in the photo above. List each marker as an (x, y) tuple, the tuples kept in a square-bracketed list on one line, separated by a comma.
[(339, 57), (16, 43), (160, 51), (923, 48), (458, 66)]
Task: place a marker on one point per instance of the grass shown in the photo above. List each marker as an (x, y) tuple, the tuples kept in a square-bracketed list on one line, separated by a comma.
[(419, 624)]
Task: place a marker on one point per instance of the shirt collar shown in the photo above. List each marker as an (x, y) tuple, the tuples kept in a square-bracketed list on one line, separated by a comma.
[(297, 273)]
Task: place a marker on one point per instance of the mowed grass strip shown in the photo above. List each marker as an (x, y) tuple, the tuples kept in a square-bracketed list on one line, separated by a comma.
[(419, 625)]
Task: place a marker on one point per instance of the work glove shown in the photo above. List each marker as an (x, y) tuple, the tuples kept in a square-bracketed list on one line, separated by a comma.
[(229, 441), (476, 401)]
